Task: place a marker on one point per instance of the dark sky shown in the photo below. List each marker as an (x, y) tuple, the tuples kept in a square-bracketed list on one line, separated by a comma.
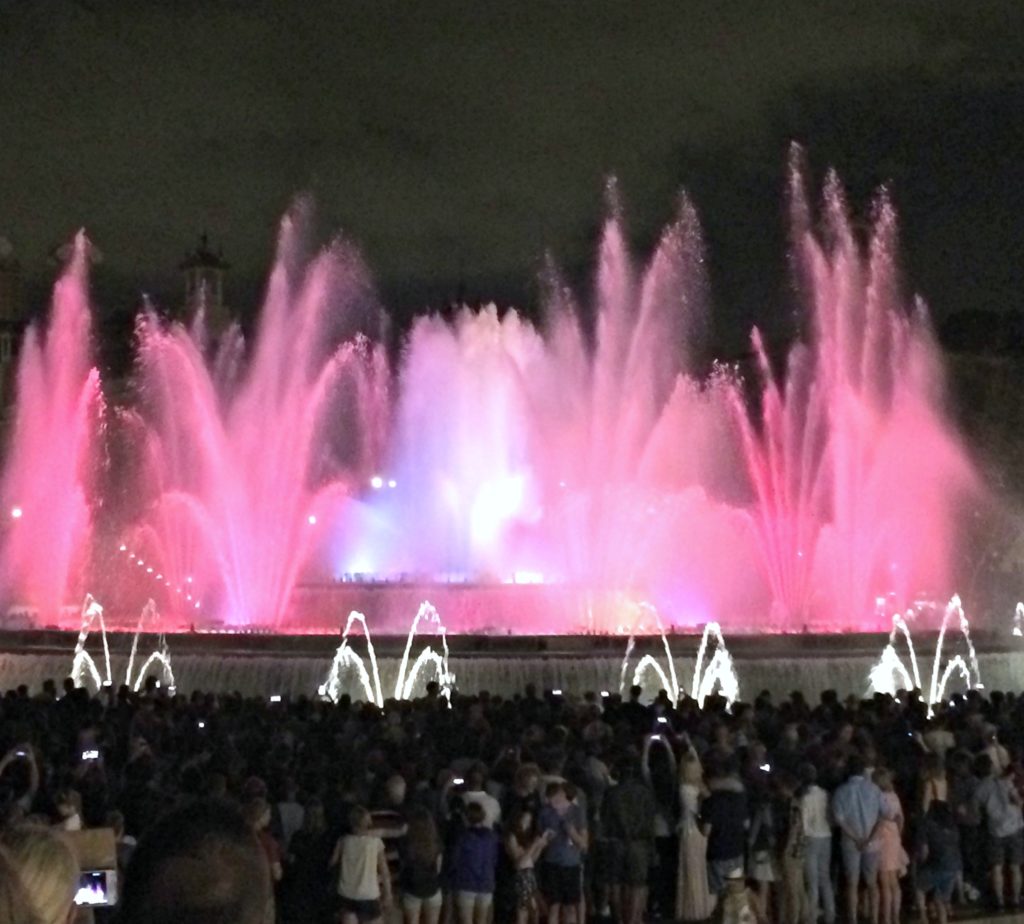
[(457, 141)]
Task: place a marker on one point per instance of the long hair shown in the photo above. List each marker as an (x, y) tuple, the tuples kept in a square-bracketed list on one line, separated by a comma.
[(423, 844), (15, 904), (47, 869), (523, 837)]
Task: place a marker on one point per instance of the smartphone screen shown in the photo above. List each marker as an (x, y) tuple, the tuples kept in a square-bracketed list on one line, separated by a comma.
[(97, 888)]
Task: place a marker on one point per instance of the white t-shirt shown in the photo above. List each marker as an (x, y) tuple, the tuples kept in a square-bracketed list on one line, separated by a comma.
[(814, 813), (359, 857)]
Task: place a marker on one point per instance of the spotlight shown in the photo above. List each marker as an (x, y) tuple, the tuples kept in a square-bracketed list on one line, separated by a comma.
[(376, 482), (16, 513), (311, 519), (392, 483)]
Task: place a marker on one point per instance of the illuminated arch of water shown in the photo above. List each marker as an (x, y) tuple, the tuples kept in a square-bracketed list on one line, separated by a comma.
[(84, 671), (367, 670), (891, 674), (719, 668)]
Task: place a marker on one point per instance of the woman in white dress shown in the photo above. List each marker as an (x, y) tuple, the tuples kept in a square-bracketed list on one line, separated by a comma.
[(694, 901)]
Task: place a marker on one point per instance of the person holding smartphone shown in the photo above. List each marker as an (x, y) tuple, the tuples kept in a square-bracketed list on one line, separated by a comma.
[(562, 870)]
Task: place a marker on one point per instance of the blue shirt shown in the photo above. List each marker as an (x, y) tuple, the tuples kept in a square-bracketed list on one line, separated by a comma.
[(561, 851), (474, 860), (857, 806)]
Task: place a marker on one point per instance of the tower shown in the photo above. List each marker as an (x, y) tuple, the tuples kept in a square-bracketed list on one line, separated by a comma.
[(203, 271)]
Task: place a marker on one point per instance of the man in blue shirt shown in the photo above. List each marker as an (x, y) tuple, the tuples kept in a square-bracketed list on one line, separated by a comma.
[(562, 860), (857, 808)]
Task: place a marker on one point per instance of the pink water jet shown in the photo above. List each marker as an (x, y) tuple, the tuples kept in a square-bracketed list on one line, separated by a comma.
[(591, 453), (858, 473), (50, 469), (236, 463)]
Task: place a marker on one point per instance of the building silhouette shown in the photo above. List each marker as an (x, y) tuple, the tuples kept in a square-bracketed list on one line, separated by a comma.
[(203, 272)]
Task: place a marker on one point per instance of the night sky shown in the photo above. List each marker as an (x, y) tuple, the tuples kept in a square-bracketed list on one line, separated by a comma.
[(457, 142)]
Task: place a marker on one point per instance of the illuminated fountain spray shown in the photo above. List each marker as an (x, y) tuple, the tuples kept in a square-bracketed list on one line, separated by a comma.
[(161, 656), (891, 674), (251, 448), (1018, 620), (719, 669), (46, 489), (84, 671), (346, 659), (83, 667), (406, 681), (367, 670)]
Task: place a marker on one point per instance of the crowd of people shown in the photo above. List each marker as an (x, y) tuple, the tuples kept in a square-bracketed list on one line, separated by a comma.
[(494, 810)]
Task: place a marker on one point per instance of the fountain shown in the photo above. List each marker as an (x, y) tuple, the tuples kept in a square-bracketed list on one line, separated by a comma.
[(546, 469), (891, 674), (857, 473), (237, 445), (367, 672), (83, 666), (719, 668), (84, 671), (46, 489)]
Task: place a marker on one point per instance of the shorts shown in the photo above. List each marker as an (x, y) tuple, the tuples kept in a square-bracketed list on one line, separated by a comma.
[(762, 866), (719, 870), (629, 862), (363, 909), (858, 864), (526, 888), (413, 903), (466, 902), (1009, 850), (935, 881), (561, 885)]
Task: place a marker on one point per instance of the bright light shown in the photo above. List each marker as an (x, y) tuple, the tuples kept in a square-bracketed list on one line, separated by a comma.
[(376, 482), (149, 571), (189, 579), (311, 519), (392, 483), (16, 513), (124, 548), (527, 577)]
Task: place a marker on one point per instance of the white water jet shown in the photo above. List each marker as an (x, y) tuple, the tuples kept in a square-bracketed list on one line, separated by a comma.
[(345, 657), (1018, 620), (404, 685), (891, 675), (890, 671), (161, 656), (720, 668), (82, 664), (368, 674)]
